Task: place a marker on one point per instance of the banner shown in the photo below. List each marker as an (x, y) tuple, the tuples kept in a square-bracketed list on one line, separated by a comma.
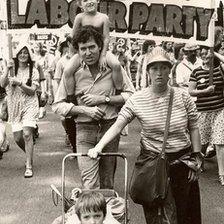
[(179, 20)]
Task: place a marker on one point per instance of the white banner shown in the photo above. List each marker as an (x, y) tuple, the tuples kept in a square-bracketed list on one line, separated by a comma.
[(185, 21), (174, 20)]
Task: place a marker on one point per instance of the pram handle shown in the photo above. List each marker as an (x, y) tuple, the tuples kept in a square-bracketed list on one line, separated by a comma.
[(116, 154), (100, 154)]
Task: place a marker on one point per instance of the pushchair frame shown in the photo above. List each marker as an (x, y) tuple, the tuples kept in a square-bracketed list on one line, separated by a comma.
[(121, 155)]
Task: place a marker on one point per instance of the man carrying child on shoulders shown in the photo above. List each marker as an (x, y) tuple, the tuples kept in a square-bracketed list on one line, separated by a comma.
[(97, 107)]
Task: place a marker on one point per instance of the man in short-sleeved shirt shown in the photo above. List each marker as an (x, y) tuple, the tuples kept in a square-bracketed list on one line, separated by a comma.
[(187, 65)]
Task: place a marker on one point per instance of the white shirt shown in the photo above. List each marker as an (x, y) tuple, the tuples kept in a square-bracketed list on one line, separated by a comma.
[(184, 70)]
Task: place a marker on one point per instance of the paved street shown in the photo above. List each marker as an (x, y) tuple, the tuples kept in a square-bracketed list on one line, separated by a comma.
[(28, 201)]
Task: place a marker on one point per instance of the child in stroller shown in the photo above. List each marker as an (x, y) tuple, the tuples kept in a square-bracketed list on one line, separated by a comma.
[(90, 207)]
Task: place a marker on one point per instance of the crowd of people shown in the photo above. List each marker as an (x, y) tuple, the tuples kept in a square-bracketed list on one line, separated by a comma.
[(97, 92)]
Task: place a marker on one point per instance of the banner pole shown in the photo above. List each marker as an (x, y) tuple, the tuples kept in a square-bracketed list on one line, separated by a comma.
[(211, 66), (212, 34), (10, 56)]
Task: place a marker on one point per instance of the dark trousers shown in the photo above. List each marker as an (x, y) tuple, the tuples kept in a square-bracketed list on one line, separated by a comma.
[(70, 127), (185, 196)]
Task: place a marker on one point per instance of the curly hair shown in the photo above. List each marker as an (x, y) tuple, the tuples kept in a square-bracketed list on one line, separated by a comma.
[(146, 44), (84, 34), (41, 47)]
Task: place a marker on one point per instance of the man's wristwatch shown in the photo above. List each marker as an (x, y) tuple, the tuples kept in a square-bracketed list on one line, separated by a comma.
[(107, 99)]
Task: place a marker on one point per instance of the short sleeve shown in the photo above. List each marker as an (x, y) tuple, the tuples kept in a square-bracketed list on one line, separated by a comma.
[(127, 111), (35, 77), (179, 77), (191, 110), (59, 70), (193, 77)]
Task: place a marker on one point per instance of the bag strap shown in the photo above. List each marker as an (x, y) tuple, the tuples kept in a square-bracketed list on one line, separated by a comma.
[(168, 120), (187, 66)]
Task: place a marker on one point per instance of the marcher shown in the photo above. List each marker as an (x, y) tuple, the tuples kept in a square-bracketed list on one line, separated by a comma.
[(133, 52), (122, 57), (150, 106), (22, 101), (4, 143), (41, 90), (142, 79), (41, 64), (96, 108), (210, 105), (119, 52), (178, 57), (91, 17), (59, 52), (68, 123), (187, 65), (168, 46)]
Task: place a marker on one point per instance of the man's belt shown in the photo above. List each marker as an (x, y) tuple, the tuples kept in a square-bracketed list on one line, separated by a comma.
[(98, 122)]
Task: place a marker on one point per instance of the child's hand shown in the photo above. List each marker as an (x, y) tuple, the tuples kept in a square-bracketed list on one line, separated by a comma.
[(102, 63)]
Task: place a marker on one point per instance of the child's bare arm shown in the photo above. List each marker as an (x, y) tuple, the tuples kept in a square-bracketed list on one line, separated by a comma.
[(77, 23), (106, 35), (115, 65)]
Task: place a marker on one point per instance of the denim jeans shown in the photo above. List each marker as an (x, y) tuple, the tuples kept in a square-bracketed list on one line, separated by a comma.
[(98, 173)]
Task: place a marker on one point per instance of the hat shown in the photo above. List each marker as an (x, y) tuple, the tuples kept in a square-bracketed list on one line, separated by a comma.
[(158, 54), (20, 46), (190, 47)]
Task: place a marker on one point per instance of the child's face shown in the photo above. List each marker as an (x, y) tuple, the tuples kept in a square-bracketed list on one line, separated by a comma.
[(150, 48), (36, 48), (89, 5), (92, 217)]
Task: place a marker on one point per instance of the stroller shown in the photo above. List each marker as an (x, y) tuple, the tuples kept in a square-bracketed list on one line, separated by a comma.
[(111, 196)]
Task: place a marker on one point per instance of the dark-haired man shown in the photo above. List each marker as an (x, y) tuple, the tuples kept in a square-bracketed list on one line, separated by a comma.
[(96, 109)]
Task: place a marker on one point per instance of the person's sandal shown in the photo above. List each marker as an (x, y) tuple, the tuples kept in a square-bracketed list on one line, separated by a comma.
[(221, 179), (28, 173)]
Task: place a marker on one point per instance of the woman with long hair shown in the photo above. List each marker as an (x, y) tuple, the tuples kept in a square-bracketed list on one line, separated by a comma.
[(22, 101)]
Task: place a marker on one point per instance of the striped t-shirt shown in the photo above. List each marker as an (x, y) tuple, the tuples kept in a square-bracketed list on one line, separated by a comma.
[(151, 111), (211, 101)]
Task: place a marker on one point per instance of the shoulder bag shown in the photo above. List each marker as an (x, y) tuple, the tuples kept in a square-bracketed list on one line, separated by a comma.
[(150, 179)]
